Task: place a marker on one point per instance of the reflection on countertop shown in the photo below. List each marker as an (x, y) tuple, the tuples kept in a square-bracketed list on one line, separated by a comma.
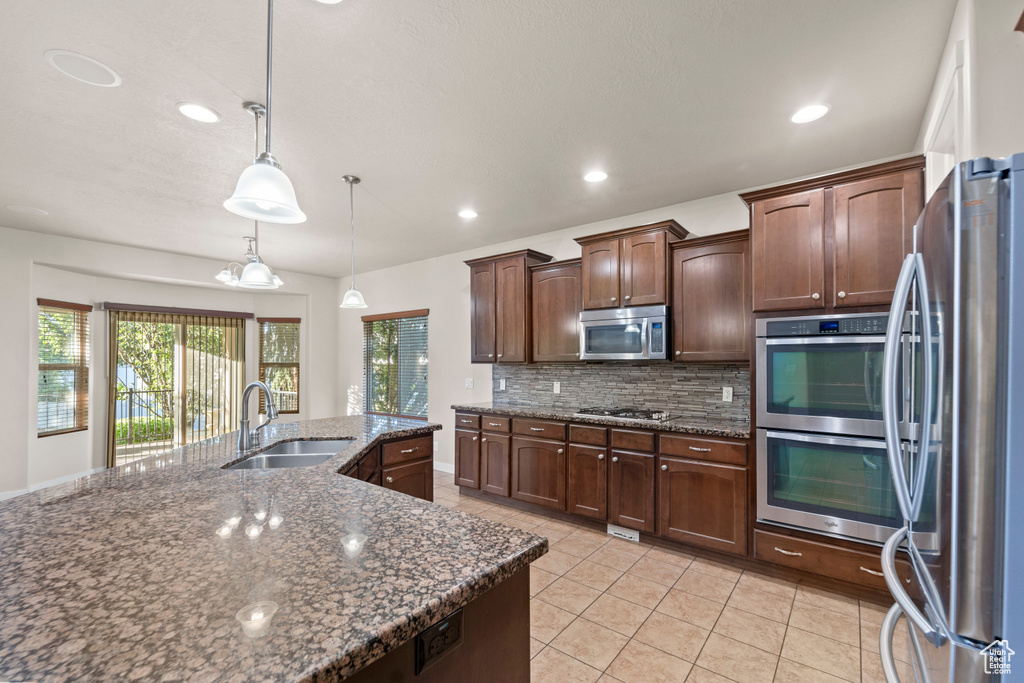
[(708, 425), (175, 565)]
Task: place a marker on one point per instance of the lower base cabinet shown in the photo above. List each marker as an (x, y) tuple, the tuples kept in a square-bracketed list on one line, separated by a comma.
[(538, 471), (631, 488), (467, 458), (703, 503), (414, 478), (495, 465), (588, 481), (408, 467)]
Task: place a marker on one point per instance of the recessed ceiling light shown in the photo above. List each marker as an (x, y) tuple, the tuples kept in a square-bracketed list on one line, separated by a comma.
[(82, 68), (467, 213), (595, 176), (27, 209), (811, 113), (198, 112)]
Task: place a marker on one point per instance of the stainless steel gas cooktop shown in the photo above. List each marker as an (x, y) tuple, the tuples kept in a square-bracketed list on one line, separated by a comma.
[(639, 414)]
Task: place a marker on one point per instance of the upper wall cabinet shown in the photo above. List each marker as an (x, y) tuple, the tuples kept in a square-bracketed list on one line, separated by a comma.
[(557, 302), (628, 267), (834, 241), (711, 298), (499, 292)]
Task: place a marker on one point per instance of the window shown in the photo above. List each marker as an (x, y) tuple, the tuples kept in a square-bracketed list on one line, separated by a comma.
[(63, 367), (279, 362), (395, 364)]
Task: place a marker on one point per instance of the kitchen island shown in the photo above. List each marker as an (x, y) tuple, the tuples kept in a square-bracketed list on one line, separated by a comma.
[(173, 568)]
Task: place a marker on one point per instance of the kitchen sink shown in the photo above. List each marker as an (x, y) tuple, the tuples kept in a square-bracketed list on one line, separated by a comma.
[(293, 454)]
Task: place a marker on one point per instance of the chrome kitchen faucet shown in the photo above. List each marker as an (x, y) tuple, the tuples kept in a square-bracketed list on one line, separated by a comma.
[(251, 439)]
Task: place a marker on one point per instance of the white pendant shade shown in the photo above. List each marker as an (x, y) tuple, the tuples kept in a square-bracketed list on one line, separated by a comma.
[(257, 275), (264, 193), (225, 276), (353, 299)]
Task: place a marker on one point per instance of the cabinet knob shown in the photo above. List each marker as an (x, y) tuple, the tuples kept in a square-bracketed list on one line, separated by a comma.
[(483, 440), (627, 297), (815, 296), (842, 295), (615, 458), (613, 298), (600, 456), (490, 355), (664, 468), (474, 438), (560, 450), (679, 353), (499, 355), (390, 480)]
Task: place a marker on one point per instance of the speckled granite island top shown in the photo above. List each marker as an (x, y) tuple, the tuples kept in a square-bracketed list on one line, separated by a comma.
[(708, 426), (124, 576)]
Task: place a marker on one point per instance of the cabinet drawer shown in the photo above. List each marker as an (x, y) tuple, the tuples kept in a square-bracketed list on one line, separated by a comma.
[(369, 464), (406, 450), (633, 440), (464, 421), (593, 436), (489, 423), (864, 568), (704, 449), (539, 428)]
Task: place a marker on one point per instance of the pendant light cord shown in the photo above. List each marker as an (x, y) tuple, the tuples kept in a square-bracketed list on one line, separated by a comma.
[(256, 145), (352, 226), (270, 70)]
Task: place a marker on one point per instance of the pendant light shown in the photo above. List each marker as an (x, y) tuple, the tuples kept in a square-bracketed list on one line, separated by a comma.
[(264, 192), (352, 298)]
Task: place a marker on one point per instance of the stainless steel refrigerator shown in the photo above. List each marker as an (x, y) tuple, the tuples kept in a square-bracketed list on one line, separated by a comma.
[(960, 297)]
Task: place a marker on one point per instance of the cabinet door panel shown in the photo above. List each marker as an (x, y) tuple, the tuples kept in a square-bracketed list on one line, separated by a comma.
[(631, 503), (557, 302), (588, 481), (601, 274), (510, 332), (788, 246), (644, 270), (711, 302), (467, 458), (538, 471), (494, 463), (414, 479), (874, 230), (482, 313), (703, 504)]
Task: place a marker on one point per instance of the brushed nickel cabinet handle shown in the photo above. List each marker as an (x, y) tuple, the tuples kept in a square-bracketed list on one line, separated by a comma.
[(871, 571), (815, 296), (788, 552), (466, 422), (390, 480), (494, 424), (615, 458), (559, 450), (627, 297), (499, 355), (410, 450), (483, 440), (679, 353), (842, 295), (700, 450), (600, 456), (490, 355), (536, 429), (474, 439), (664, 468), (613, 298)]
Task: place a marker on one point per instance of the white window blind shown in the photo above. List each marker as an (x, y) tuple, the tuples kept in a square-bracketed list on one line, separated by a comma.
[(395, 364), (63, 401)]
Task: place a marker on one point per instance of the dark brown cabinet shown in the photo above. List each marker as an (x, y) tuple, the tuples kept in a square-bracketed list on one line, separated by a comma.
[(631, 490), (874, 230), (703, 503), (588, 481), (414, 479), (538, 471), (495, 464), (467, 458), (499, 294), (835, 241), (711, 299), (557, 302), (405, 465), (628, 267)]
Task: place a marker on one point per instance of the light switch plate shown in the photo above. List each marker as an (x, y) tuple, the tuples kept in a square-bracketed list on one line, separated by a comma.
[(501, 385), (469, 382), (727, 394), (558, 387)]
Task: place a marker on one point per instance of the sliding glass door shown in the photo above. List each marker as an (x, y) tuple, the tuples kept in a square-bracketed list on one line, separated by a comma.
[(173, 380)]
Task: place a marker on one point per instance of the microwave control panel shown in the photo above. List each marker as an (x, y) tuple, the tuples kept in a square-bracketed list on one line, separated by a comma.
[(657, 338), (822, 326)]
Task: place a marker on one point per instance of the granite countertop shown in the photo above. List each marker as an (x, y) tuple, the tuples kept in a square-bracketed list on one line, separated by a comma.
[(123, 575), (686, 424)]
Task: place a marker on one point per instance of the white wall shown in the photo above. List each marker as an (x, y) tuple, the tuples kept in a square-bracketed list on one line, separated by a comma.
[(46, 266)]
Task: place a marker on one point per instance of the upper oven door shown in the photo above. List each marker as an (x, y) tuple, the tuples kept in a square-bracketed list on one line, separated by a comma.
[(821, 384), (624, 339)]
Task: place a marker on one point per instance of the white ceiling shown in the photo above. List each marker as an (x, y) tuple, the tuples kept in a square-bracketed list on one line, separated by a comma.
[(439, 105)]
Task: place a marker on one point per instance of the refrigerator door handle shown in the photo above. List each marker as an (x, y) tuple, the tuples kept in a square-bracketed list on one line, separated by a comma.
[(928, 382), (892, 580), (885, 638), (890, 367)]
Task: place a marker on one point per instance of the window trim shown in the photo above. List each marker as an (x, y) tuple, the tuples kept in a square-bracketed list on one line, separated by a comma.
[(260, 365), (377, 317), (81, 421)]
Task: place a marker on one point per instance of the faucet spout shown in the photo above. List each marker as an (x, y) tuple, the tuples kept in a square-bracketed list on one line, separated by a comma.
[(249, 439)]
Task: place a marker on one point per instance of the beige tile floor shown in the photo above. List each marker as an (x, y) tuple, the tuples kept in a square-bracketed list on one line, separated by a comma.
[(604, 609)]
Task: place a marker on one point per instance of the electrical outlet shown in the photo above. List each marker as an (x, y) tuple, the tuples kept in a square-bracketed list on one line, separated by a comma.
[(727, 394), (558, 387), (469, 382), (501, 385)]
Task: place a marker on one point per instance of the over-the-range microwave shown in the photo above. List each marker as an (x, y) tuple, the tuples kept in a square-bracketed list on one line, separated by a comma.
[(639, 333)]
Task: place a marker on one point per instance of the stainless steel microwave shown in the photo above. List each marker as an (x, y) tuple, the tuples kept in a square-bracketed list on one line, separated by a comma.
[(639, 333)]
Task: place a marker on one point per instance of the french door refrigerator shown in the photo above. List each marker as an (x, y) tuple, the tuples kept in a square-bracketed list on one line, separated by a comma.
[(961, 294)]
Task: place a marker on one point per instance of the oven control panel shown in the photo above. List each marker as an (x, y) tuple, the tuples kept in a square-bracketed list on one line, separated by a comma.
[(822, 326)]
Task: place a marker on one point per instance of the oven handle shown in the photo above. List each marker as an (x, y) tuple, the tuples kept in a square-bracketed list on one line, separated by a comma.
[(838, 339), (890, 427)]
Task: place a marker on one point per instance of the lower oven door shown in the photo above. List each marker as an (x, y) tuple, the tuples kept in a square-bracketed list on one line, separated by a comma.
[(833, 485)]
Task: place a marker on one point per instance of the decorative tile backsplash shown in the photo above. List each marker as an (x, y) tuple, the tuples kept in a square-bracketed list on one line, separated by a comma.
[(694, 390)]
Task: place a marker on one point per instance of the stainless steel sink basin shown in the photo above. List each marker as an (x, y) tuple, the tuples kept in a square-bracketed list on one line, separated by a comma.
[(293, 454)]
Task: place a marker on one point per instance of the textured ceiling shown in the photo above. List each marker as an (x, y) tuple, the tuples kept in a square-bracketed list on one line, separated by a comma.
[(442, 104)]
